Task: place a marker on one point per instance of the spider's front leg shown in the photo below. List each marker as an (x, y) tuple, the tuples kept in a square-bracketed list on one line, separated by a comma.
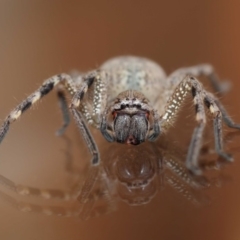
[(200, 97), (74, 106), (96, 76), (46, 87)]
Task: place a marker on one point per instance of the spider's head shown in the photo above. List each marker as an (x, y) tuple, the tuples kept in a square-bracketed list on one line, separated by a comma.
[(131, 119)]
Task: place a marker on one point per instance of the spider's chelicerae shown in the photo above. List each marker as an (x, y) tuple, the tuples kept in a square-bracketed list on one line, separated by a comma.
[(131, 100)]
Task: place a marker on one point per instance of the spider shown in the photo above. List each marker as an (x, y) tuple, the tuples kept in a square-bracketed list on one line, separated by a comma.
[(131, 100)]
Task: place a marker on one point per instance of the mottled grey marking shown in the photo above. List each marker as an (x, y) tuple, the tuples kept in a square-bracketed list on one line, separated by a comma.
[(26, 106), (46, 88)]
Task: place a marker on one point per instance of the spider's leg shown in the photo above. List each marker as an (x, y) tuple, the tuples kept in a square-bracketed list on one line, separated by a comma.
[(75, 104), (59, 211), (201, 70), (94, 169), (38, 192), (200, 96), (71, 88), (55, 194), (78, 96), (176, 167), (102, 192), (99, 101), (186, 85), (226, 118), (185, 190), (46, 87), (219, 113), (65, 112)]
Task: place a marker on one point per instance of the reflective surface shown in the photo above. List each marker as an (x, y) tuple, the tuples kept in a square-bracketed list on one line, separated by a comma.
[(126, 174), (140, 193), (138, 190)]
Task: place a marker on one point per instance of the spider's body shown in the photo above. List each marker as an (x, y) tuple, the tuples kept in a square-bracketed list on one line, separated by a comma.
[(139, 74), (134, 86), (131, 100)]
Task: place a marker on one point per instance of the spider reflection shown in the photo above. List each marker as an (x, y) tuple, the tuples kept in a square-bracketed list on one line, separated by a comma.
[(125, 174)]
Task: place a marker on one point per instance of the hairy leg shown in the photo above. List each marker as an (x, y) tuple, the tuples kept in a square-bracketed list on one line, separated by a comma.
[(65, 112), (226, 118), (200, 97), (46, 87), (201, 70), (89, 79)]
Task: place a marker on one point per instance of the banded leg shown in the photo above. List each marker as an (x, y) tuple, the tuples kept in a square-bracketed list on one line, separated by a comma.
[(219, 113), (94, 169), (176, 167), (70, 86), (226, 118), (47, 86), (85, 190), (201, 70), (99, 102), (37, 192), (89, 79), (186, 191), (60, 211), (200, 97), (78, 211), (49, 210)]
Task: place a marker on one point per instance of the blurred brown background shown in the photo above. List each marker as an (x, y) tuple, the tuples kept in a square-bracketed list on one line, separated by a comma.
[(41, 38)]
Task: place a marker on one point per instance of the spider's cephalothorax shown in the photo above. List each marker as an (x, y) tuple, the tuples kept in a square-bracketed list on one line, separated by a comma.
[(114, 97), (132, 119)]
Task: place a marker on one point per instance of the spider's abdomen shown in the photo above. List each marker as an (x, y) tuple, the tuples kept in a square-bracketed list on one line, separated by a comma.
[(135, 73)]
